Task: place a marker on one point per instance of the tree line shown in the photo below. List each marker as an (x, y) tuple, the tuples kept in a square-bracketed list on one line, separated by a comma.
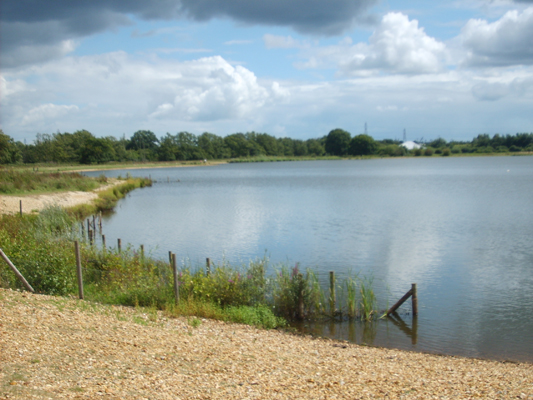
[(84, 148)]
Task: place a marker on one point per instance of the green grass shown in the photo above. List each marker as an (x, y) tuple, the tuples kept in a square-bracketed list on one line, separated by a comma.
[(41, 246), (16, 182)]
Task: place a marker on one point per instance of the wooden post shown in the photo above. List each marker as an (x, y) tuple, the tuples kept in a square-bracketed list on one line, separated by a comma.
[(78, 269), (142, 253), (119, 245), (414, 299), (104, 248), (20, 203), (176, 281), (170, 258), (301, 306), (332, 297), (91, 236), (88, 225), (403, 299), (16, 271), (82, 230), (100, 220), (94, 222), (208, 266)]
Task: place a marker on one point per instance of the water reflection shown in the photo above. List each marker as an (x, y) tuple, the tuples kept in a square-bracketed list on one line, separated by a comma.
[(460, 228)]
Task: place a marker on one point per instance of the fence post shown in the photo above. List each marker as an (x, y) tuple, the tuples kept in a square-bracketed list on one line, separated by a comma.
[(104, 248), (78, 269), (411, 292), (20, 208), (170, 258), (142, 253), (176, 282), (119, 245), (414, 299), (332, 297), (208, 266), (16, 271)]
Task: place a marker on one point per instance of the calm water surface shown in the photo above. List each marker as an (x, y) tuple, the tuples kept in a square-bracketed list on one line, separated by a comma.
[(461, 228)]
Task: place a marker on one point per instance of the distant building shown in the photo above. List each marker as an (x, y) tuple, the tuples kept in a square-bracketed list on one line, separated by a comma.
[(409, 145)]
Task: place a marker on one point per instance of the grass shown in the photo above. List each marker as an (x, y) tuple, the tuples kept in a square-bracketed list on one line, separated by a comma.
[(41, 246), (15, 182)]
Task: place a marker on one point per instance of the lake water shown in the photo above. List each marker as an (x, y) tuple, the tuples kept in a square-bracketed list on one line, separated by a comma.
[(461, 228)]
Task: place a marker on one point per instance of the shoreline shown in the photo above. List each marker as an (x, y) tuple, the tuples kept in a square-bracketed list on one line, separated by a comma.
[(10, 204), (53, 346)]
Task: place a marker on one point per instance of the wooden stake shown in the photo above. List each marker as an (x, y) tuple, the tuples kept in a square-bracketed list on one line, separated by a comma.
[(104, 248), (142, 253), (20, 207), (78, 269), (119, 245), (207, 266), (403, 299), (176, 281), (414, 299), (332, 297), (16, 271)]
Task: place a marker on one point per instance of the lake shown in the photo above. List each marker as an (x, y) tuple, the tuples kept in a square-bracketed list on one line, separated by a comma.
[(461, 228)]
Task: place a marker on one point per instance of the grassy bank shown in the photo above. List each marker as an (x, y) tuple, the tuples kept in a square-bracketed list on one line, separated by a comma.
[(17, 181), (41, 246)]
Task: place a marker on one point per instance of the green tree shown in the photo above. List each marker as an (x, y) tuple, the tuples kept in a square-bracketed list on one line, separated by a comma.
[(338, 142), (362, 145), (145, 143), (9, 151), (97, 151), (315, 147), (213, 146)]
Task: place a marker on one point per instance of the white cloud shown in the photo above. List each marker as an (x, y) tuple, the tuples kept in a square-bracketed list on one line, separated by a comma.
[(400, 46), (46, 112), (281, 42), (397, 46), (507, 41)]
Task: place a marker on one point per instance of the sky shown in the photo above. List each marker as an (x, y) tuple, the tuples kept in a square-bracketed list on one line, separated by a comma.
[(289, 68)]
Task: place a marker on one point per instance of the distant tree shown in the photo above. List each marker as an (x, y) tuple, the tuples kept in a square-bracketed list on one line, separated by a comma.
[(9, 151), (362, 145), (213, 146), (437, 143), (238, 145), (145, 143), (315, 147), (338, 142), (269, 144), (97, 151)]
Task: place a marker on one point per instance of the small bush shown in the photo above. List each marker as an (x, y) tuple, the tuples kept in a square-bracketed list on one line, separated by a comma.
[(446, 152), (428, 152)]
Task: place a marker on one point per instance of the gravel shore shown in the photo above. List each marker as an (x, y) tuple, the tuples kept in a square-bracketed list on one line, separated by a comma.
[(54, 348)]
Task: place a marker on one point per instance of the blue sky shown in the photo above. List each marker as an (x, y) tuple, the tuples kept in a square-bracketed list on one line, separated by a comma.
[(296, 68)]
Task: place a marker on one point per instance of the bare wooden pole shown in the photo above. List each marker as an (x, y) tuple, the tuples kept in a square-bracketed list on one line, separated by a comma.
[(119, 245), (20, 203), (16, 271), (208, 266), (170, 258), (142, 253), (78, 269), (176, 282), (402, 300), (91, 236), (104, 248), (414, 299), (332, 296)]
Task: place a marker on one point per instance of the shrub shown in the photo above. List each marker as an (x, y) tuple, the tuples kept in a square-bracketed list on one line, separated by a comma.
[(428, 152), (446, 152)]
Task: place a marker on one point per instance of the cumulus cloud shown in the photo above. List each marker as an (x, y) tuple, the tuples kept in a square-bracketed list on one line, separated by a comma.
[(212, 89), (35, 23), (507, 41), (46, 112), (398, 45), (121, 88)]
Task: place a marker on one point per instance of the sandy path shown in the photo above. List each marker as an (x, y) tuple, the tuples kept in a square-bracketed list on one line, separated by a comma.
[(32, 203), (53, 348)]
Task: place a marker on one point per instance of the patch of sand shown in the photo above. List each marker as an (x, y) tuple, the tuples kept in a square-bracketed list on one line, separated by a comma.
[(35, 203)]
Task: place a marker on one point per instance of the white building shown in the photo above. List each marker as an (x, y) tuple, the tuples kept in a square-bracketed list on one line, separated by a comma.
[(409, 145)]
